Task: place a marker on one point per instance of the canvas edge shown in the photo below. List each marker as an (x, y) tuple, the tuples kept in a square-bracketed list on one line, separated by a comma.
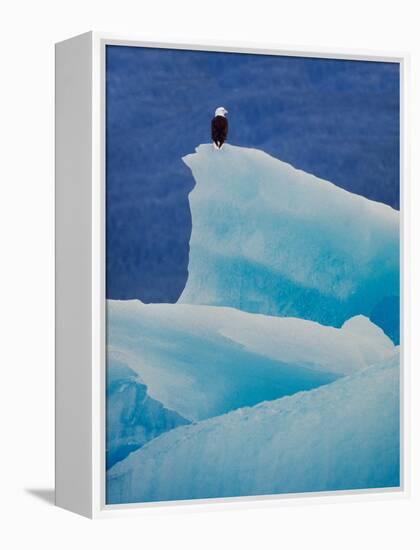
[(73, 253)]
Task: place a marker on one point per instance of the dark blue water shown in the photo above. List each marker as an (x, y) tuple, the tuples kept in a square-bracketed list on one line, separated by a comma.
[(337, 119)]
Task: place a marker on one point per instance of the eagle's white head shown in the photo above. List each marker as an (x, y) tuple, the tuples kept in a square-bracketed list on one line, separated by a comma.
[(220, 111)]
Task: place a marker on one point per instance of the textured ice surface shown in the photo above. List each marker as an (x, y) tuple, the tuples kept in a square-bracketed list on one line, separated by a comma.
[(132, 416), (344, 435), (271, 239), (203, 361)]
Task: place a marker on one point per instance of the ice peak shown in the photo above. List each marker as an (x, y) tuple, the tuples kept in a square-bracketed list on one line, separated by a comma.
[(272, 239)]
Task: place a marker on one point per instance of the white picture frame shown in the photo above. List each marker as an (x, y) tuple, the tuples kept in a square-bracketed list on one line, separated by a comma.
[(80, 274)]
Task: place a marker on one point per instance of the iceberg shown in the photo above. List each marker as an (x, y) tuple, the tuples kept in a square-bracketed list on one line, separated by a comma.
[(132, 416), (268, 238), (204, 361), (341, 436)]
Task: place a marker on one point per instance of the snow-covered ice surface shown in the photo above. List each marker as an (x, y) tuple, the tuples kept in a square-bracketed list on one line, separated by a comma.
[(344, 435), (271, 239), (204, 361), (274, 372), (132, 416)]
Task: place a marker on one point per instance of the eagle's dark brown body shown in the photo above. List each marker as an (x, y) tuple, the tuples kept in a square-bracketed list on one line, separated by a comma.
[(219, 130)]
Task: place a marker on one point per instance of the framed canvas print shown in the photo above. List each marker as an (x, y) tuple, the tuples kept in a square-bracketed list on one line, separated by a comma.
[(229, 268)]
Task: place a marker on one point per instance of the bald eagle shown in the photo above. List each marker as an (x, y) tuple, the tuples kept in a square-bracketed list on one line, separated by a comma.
[(219, 127)]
